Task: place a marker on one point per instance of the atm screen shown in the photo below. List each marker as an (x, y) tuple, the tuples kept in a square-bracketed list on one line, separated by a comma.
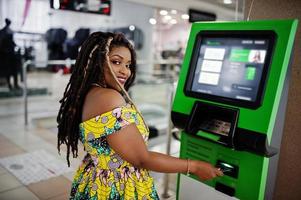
[(230, 66)]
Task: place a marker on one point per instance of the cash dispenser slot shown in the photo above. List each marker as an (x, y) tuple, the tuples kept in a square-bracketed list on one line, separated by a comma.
[(219, 124), (213, 122)]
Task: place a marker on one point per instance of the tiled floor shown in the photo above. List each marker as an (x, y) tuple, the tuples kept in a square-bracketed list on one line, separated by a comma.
[(40, 134)]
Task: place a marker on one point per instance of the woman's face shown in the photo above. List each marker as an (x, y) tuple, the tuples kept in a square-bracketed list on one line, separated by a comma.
[(120, 61)]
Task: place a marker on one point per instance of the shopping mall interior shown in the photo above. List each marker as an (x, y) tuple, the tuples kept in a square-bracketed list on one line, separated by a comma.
[(46, 37)]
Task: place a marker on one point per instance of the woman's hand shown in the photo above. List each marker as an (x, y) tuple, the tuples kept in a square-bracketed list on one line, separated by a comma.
[(205, 171)]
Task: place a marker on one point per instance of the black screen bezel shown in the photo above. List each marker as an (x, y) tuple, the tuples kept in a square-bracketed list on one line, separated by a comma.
[(243, 34)]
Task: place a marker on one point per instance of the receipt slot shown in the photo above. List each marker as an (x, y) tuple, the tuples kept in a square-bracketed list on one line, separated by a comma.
[(230, 104)]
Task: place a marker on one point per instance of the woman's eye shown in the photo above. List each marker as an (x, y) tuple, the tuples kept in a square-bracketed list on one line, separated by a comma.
[(128, 66), (116, 62)]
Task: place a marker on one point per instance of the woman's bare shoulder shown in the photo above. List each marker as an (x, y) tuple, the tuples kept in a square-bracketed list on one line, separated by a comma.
[(101, 100)]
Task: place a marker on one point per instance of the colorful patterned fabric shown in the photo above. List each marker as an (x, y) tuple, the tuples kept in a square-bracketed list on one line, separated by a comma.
[(103, 174)]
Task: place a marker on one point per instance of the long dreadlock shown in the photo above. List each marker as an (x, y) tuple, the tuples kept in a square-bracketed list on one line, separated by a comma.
[(88, 70)]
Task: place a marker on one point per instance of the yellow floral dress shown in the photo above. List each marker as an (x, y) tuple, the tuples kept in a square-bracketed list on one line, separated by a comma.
[(103, 174)]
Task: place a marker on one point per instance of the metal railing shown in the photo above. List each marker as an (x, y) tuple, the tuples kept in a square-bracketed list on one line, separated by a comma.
[(171, 92)]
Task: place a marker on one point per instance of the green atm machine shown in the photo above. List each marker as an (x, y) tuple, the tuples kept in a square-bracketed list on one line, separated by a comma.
[(230, 105)]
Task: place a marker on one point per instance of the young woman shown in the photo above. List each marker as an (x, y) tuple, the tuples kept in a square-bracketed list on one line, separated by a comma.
[(97, 110)]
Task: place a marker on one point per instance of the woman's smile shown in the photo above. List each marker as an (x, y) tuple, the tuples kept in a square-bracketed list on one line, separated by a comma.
[(121, 79)]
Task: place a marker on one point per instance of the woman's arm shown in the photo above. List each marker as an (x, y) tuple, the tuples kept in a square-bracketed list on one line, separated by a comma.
[(129, 144)]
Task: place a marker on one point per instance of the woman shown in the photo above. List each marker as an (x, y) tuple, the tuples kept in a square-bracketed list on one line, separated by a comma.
[(97, 110)]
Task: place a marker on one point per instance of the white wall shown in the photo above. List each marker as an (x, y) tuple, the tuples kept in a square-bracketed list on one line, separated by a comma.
[(138, 15), (177, 34), (37, 19), (219, 9)]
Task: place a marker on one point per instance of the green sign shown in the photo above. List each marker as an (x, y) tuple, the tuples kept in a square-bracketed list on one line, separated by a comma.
[(240, 55)]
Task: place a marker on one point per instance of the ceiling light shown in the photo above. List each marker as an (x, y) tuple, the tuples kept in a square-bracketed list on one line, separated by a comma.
[(173, 21), (167, 17), (174, 12), (227, 1), (152, 21), (132, 27), (185, 16), (163, 12), (164, 21)]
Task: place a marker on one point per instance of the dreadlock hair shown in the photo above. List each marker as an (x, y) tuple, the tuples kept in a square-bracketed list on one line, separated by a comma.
[(88, 70)]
